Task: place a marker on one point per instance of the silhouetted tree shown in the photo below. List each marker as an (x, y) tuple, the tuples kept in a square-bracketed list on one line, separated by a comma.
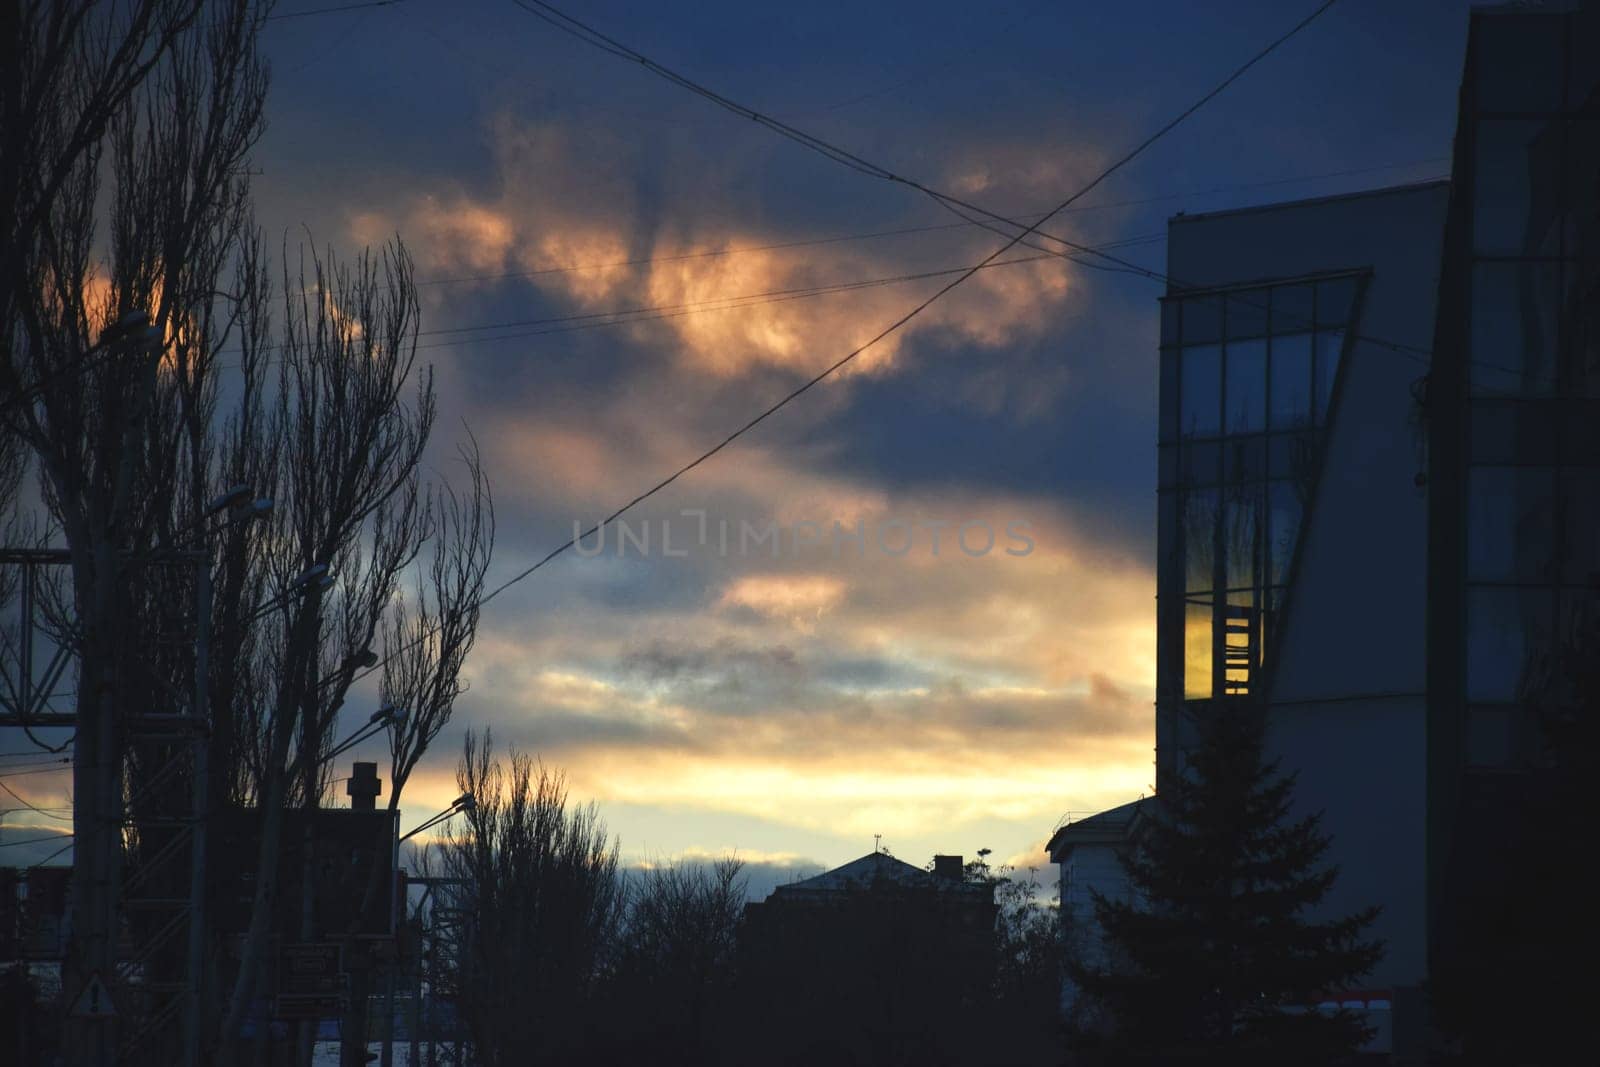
[(1025, 995), (543, 901), (668, 991), (1216, 955), (124, 198)]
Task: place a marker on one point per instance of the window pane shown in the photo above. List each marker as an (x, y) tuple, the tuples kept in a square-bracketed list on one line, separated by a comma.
[(1513, 432), (1292, 309), (1291, 382), (1580, 491), (1582, 198), (1518, 173), (1490, 735), (1247, 313), (1506, 629), (1510, 523), (1283, 529), (1197, 650), (1169, 323), (1580, 434), (1202, 320), (1514, 328), (1247, 386), (1201, 403), (1241, 538), (1198, 467), (1583, 80), (1244, 460), (1241, 646), (1169, 395), (1518, 65), (1330, 346), (1199, 539)]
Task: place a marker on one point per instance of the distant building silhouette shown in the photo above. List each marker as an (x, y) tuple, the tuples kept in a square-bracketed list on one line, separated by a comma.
[(877, 961), (1379, 474)]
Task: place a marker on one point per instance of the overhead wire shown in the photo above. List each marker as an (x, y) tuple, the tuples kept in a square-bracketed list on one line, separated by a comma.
[(57, 852), (652, 313), (768, 296), (893, 327), (283, 15), (41, 770), (25, 802), (958, 206), (35, 841), (535, 272)]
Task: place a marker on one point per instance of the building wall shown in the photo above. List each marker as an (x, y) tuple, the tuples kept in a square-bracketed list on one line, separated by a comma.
[(1515, 507), (1344, 667), (1087, 868)]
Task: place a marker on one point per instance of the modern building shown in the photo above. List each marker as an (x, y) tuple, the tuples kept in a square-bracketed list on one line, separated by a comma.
[(1379, 485)]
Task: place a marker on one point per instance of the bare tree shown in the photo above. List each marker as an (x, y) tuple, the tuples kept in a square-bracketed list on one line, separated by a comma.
[(669, 986), (172, 108), (540, 883), (426, 640), (148, 364)]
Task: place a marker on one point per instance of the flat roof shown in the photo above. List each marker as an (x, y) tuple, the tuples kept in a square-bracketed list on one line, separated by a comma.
[(1277, 205)]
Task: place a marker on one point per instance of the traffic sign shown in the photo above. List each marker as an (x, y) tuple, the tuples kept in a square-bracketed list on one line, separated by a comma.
[(94, 1002), (312, 968)]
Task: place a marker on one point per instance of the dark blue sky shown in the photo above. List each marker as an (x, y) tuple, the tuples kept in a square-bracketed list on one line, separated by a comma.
[(947, 703)]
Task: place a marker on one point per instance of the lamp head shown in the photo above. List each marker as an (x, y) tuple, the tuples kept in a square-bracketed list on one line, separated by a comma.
[(235, 496), (318, 576), (124, 327)]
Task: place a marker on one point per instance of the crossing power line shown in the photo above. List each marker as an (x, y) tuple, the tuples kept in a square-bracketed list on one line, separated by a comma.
[(536, 272), (964, 209), (805, 387)]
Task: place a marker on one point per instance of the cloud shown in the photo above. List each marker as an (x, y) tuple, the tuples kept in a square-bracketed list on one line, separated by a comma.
[(820, 694), (800, 600), (561, 206)]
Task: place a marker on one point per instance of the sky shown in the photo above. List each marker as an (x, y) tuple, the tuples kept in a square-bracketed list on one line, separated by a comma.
[(794, 707)]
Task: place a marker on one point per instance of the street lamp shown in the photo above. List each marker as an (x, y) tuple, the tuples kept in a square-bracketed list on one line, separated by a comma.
[(244, 507), (464, 802), (317, 577), (132, 326), (384, 716)]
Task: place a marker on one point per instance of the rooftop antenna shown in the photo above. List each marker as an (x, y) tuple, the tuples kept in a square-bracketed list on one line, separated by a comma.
[(876, 838)]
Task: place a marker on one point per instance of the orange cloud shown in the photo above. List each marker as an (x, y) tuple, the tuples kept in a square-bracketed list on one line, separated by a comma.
[(552, 214)]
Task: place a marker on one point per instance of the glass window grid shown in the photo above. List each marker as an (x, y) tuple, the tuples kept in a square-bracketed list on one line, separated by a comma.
[(1545, 92), (1542, 431), (1329, 297)]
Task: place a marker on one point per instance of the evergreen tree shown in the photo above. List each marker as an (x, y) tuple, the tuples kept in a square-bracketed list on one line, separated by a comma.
[(1214, 956)]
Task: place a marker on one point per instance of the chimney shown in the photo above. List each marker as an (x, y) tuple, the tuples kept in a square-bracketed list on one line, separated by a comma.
[(947, 867), (363, 787)]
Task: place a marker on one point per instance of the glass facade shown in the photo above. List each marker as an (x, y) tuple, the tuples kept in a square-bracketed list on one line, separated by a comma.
[(1532, 450), (1247, 385)]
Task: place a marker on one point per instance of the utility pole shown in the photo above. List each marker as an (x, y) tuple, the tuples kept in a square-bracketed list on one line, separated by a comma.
[(201, 784)]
